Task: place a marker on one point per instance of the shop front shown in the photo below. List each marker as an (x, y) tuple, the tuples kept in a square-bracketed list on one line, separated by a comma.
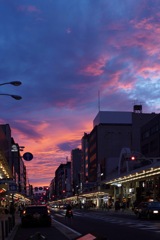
[(141, 184)]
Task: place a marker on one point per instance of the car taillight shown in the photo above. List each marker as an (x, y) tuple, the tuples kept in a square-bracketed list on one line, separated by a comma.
[(24, 212)]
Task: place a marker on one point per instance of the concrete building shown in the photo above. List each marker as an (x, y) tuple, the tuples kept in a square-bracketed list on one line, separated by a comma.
[(76, 160), (107, 159), (112, 132), (84, 162), (13, 180), (7, 149), (63, 186), (18, 168), (52, 192), (5, 162), (150, 138)]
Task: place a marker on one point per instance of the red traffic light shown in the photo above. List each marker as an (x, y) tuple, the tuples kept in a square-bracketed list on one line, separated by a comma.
[(133, 158)]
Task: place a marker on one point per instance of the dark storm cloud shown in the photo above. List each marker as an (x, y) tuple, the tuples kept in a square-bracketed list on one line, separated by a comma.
[(68, 146), (27, 128)]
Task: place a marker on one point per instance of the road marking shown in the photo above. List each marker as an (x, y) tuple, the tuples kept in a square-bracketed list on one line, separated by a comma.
[(154, 227), (87, 237), (59, 215), (67, 231)]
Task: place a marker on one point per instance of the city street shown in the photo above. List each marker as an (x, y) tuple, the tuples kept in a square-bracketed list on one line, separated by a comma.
[(80, 120), (101, 224)]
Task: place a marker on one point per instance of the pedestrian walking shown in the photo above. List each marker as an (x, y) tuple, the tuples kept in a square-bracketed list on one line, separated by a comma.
[(12, 209)]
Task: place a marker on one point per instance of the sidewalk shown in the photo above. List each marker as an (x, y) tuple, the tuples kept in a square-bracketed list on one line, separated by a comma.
[(17, 224), (8, 227)]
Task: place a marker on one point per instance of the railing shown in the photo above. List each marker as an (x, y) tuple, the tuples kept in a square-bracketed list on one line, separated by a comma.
[(7, 223)]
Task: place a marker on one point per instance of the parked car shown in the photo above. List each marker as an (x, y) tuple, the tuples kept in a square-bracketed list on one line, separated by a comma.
[(148, 210), (36, 215)]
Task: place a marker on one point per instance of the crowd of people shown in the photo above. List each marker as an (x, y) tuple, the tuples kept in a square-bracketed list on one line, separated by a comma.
[(117, 205)]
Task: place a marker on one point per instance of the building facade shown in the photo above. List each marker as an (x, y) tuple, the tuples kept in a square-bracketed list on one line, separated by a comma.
[(13, 180), (112, 132), (76, 160), (84, 162), (63, 186), (150, 138)]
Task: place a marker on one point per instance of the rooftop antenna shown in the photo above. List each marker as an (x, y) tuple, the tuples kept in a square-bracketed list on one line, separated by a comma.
[(99, 101)]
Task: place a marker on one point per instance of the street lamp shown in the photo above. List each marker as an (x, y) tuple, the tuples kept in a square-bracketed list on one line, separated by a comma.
[(17, 97), (14, 83)]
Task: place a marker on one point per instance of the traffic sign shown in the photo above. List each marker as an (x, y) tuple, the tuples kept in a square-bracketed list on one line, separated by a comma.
[(12, 187), (6, 180), (28, 156)]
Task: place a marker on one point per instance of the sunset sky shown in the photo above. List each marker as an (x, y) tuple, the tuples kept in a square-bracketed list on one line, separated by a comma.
[(66, 53)]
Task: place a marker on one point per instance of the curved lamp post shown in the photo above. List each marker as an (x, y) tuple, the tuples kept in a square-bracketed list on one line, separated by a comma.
[(14, 83), (17, 97)]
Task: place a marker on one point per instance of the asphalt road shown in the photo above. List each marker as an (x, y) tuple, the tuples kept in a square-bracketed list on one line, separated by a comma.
[(102, 225), (49, 233), (111, 226)]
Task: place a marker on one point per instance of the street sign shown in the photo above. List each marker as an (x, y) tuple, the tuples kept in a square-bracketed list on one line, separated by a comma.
[(6, 180), (12, 187), (28, 156)]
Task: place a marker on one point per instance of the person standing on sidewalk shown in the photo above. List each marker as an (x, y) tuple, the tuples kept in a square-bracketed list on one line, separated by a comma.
[(12, 210), (124, 206), (6, 210), (117, 205)]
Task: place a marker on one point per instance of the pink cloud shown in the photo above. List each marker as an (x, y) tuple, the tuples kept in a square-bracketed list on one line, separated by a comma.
[(46, 155), (32, 9), (95, 68), (29, 8), (115, 83)]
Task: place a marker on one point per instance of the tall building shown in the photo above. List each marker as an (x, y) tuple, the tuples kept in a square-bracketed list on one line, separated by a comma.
[(84, 160), (63, 181), (12, 168), (150, 138), (113, 131), (104, 170), (52, 191), (18, 168), (76, 160), (5, 162)]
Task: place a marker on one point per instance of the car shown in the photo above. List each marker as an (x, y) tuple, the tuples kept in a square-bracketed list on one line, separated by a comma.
[(62, 206), (148, 210), (36, 215)]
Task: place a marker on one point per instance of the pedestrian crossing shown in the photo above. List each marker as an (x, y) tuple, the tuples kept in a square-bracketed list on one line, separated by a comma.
[(133, 223)]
